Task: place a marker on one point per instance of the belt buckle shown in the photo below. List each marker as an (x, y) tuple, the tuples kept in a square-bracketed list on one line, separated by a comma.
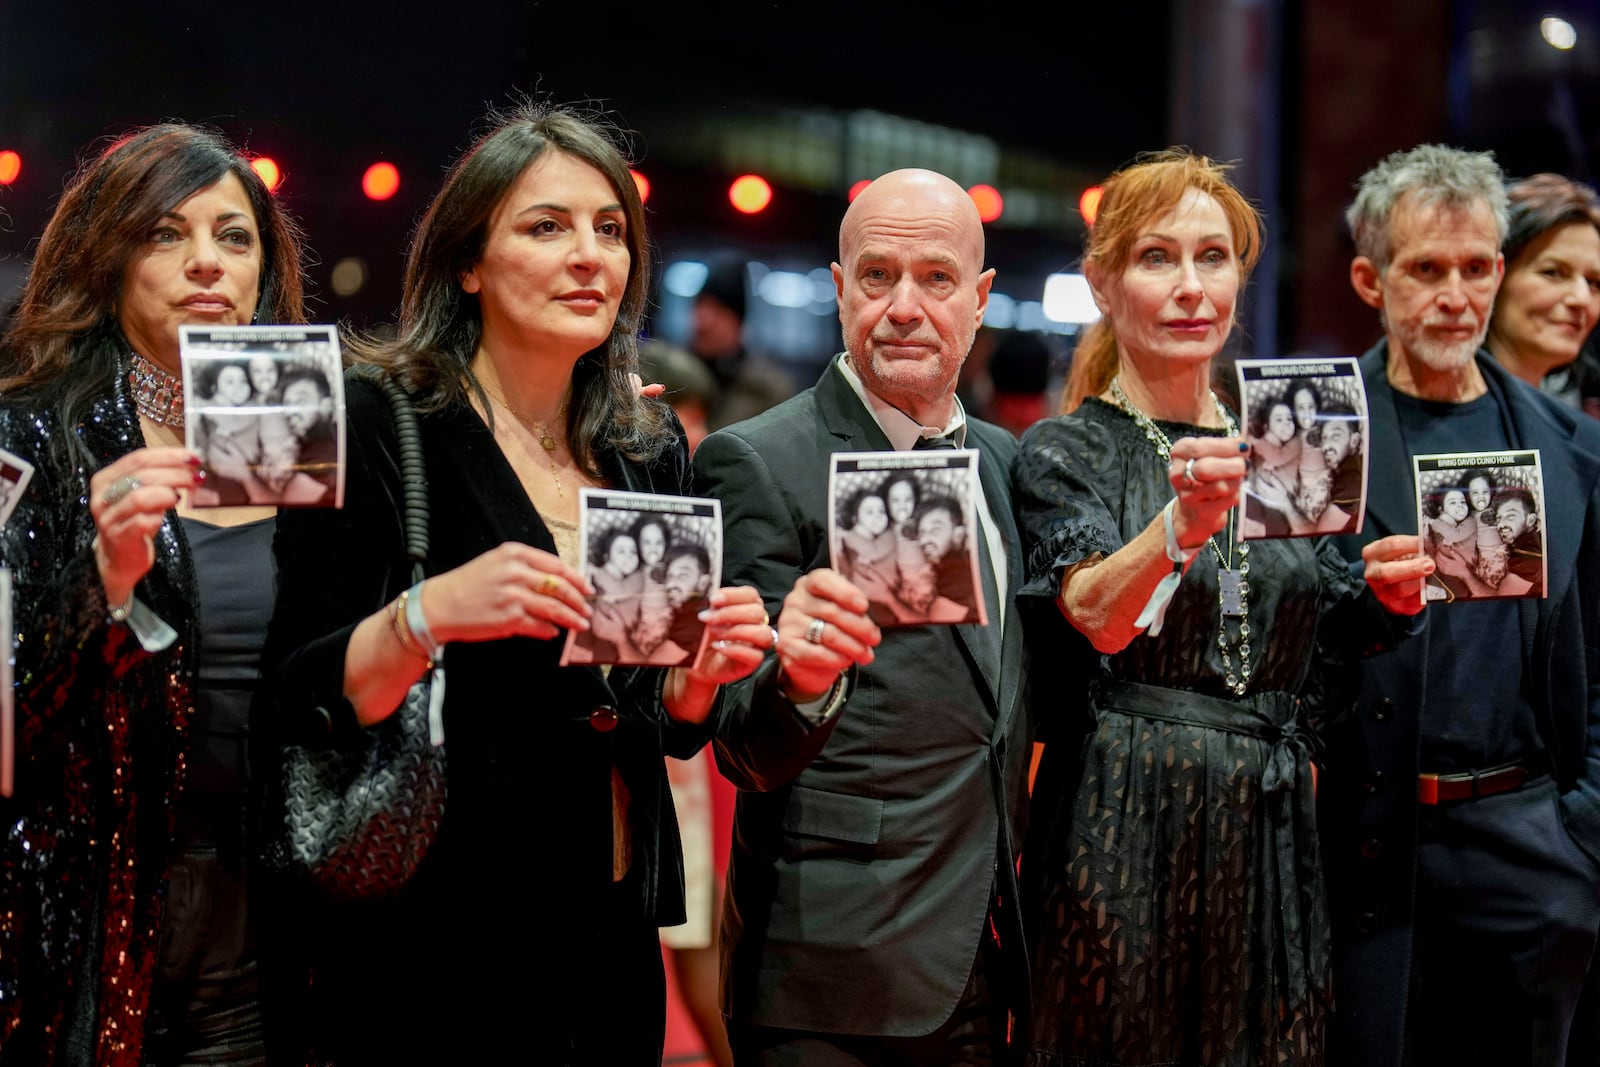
[(1428, 789)]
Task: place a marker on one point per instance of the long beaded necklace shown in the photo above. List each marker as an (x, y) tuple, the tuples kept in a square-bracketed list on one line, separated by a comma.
[(1233, 585), (157, 395)]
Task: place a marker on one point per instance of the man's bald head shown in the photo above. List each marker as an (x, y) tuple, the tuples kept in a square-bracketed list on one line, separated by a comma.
[(913, 193), (912, 289)]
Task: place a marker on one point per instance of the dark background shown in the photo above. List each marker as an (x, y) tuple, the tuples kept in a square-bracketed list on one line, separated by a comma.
[(1304, 95)]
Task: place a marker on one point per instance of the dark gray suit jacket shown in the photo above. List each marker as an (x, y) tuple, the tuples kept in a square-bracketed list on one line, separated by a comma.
[(867, 850)]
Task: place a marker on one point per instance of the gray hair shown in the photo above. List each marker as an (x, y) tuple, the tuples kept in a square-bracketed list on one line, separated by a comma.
[(1437, 176)]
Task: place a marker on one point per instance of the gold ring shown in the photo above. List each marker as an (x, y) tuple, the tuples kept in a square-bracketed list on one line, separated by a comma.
[(766, 620), (549, 584)]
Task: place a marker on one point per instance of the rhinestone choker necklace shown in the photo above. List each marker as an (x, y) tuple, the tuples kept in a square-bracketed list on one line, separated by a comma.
[(1233, 580), (157, 394)]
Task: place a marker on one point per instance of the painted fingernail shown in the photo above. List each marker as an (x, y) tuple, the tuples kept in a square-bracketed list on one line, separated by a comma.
[(194, 461), (1244, 446), (704, 616), (200, 476)]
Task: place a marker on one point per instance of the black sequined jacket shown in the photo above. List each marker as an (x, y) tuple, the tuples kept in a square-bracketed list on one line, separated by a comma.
[(100, 740)]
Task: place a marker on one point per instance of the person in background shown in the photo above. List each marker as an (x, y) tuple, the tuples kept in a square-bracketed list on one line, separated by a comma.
[(687, 384), (1461, 803), (1019, 371), (1550, 299), (747, 383), (128, 926)]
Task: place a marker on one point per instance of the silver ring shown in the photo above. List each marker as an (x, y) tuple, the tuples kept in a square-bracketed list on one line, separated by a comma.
[(814, 631), (1188, 473), (119, 489), (774, 645)]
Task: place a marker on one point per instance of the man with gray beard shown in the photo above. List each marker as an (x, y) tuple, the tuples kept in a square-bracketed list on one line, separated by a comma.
[(1461, 805)]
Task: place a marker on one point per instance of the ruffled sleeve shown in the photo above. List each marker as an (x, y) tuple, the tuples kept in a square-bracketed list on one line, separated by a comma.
[(1066, 483)]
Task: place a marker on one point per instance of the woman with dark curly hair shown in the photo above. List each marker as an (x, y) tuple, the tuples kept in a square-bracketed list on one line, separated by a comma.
[(127, 935)]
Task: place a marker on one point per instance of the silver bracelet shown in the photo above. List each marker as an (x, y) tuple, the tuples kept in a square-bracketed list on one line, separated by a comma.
[(417, 623)]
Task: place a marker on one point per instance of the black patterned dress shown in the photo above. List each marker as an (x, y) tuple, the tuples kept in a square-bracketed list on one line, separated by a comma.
[(1177, 908)]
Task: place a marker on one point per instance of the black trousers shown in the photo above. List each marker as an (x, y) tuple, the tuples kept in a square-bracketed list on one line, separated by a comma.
[(975, 1035), (1507, 915)]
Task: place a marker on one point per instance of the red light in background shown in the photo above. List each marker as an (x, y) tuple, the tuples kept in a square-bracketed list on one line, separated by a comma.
[(750, 193), (642, 184), (267, 169), (990, 203), (381, 181), (10, 166), (1089, 203), (855, 190)]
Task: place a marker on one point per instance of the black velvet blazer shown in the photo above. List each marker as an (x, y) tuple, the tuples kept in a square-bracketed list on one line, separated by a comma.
[(522, 869)]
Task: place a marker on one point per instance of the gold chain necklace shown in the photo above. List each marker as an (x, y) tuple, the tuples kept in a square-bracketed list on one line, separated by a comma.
[(547, 440), (1233, 585)]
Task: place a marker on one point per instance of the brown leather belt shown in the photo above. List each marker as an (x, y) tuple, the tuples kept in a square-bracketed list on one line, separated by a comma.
[(1470, 785)]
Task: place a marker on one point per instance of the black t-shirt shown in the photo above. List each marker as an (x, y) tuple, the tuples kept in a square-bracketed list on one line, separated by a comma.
[(1476, 715)]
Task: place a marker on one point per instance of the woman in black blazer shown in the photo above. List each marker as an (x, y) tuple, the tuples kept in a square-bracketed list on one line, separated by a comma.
[(529, 931)]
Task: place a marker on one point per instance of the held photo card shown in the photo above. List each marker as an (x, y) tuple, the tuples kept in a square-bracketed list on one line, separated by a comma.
[(1306, 421), (15, 473), (653, 562), (905, 532), (1481, 515), (265, 415)]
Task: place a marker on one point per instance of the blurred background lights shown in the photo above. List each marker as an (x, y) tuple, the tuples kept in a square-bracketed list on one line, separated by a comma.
[(349, 275), (1001, 314), (1067, 299), (990, 204), (785, 289), (684, 278), (10, 166), (750, 193), (1089, 204), (1558, 32), (267, 169), (642, 184), (855, 190), (381, 181)]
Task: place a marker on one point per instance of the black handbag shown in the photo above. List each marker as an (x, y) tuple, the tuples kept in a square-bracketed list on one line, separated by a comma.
[(359, 819)]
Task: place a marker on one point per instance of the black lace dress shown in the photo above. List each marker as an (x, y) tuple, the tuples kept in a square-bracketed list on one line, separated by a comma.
[(1177, 907)]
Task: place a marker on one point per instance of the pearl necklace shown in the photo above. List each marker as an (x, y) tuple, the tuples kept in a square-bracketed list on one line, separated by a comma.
[(157, 395), (1233, 586)]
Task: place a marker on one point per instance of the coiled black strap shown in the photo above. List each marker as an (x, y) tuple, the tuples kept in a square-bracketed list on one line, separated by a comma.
[(413, 471)]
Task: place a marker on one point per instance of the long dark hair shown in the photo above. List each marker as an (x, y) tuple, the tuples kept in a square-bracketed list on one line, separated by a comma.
[(440, 323), (65, 328)]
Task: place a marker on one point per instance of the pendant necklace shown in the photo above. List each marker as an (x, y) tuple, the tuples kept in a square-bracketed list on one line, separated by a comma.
[(1233, 585), (157, 395), (547, 440)]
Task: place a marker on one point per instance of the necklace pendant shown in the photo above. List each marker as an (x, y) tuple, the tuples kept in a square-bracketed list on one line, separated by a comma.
[(1230, 586), (547, 442)]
